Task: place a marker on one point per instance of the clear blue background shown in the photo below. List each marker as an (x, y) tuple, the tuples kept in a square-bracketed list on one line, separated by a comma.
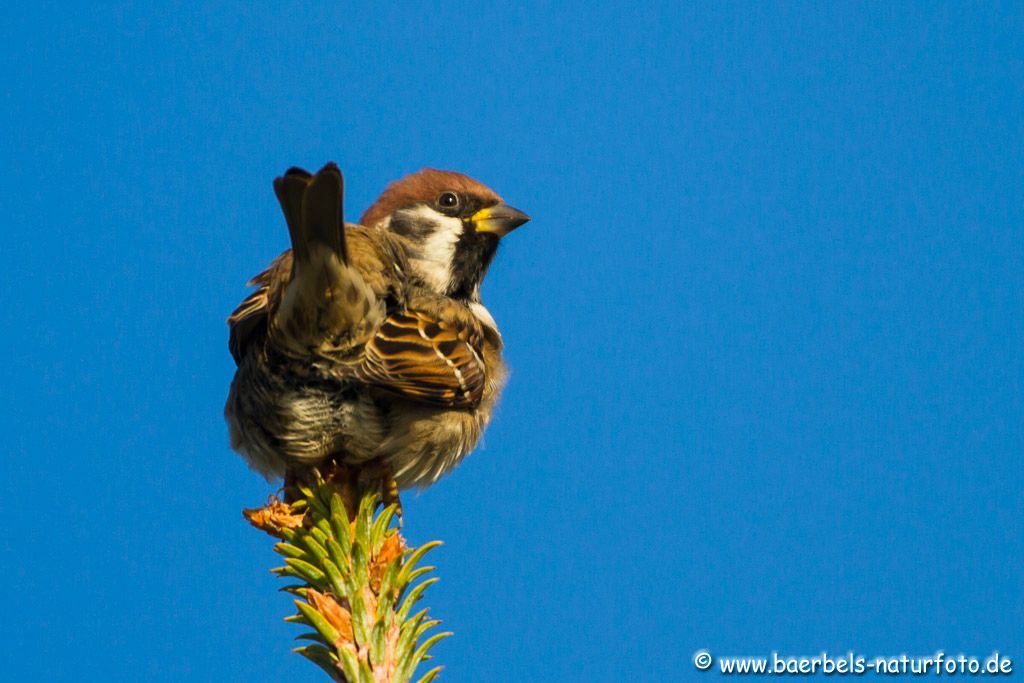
[(765, 328)]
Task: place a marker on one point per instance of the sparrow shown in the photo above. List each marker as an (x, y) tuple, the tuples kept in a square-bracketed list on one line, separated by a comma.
[(368, 345)]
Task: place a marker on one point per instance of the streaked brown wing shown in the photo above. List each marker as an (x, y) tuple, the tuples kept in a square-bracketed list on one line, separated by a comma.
[(248, 323), (433, 361)]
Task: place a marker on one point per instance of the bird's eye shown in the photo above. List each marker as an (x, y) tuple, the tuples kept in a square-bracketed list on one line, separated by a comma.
[(448, 200)]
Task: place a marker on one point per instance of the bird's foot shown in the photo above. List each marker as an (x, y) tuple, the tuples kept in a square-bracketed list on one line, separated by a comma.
[(381, 477), (389, 493)]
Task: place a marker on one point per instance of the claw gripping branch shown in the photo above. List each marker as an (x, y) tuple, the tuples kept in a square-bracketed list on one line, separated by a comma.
[(357, 584)]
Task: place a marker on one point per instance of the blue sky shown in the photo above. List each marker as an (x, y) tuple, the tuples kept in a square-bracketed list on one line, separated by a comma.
[(765, 327)]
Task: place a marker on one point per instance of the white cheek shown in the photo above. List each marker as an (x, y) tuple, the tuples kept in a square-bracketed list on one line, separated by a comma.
[(434, 274), (437, 250)]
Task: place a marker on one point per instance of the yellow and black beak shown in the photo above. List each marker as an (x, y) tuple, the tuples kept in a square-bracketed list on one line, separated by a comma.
[(499, 220)]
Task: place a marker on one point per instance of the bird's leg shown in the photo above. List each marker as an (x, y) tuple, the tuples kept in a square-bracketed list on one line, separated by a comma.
[(345, 480), (389, 492), (290, 487), (380, 476)]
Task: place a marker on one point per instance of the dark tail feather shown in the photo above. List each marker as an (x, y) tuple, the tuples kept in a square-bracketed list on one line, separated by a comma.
[(322, 211), (318, 308), (289, 189)]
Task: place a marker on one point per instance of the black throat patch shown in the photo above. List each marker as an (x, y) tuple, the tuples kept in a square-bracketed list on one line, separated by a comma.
[(473, 255)]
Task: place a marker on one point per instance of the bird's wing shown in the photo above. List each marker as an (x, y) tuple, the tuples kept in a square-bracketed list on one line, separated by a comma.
[(248, 323), (420, 356)]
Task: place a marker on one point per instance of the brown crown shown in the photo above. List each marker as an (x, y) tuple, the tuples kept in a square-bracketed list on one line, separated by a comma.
[(424, 186)]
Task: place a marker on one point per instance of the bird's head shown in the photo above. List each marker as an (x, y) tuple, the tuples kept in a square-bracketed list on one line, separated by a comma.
[(454, 224)]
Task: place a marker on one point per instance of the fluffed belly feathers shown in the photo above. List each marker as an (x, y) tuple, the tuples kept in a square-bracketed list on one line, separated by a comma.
[(276, 420)]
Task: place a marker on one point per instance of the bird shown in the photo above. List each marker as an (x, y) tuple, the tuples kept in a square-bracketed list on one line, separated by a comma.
[(368, 344)]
